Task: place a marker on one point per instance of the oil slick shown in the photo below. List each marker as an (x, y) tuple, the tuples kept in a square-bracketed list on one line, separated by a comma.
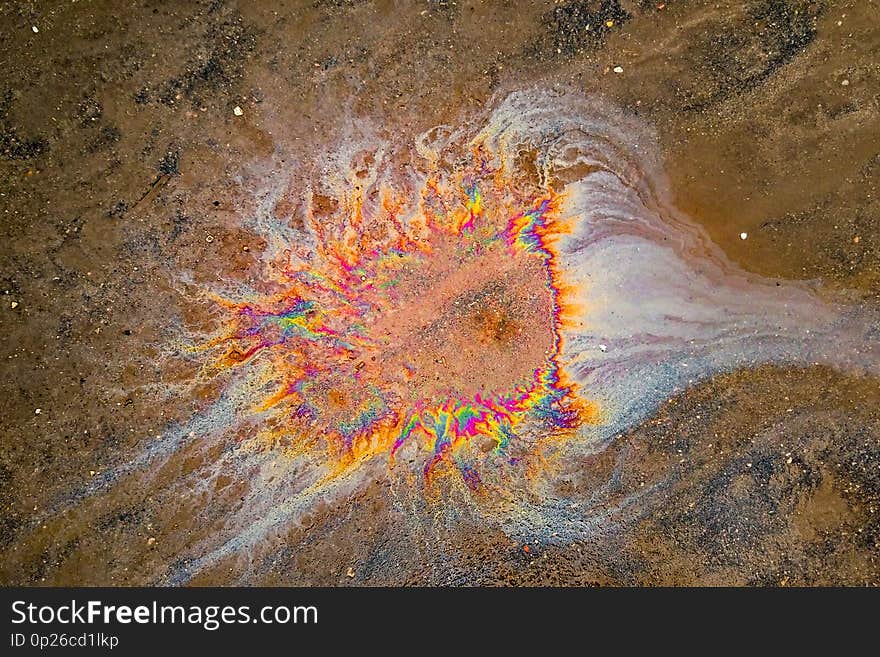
[(459, 313), (436, 325)]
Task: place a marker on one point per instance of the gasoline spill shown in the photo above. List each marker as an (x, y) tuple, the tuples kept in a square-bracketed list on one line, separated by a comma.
[(430, 329), (458, 315)]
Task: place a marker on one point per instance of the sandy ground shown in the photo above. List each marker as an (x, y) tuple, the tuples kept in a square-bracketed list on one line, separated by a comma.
[(123, 162)]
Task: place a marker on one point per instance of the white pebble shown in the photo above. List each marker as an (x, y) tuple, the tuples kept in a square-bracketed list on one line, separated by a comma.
[(38, 411), (743, 236), (237, 110), (35, 29), (618, 69), (603, 348)]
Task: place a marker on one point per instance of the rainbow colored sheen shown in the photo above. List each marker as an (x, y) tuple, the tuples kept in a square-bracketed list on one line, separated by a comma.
[(313, 331)]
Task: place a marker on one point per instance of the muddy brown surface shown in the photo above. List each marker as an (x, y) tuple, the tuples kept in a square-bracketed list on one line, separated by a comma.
[(122, 162)]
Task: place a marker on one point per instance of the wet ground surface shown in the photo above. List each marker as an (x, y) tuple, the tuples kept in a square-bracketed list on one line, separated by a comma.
[(133, 142)]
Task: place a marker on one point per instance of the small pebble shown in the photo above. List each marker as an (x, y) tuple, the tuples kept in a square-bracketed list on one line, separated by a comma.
[(743, 236), (603, 348), (38, 411), (618, 69), (14, 305), (845, 83), (209, 239), (35, 29), (237, 110)]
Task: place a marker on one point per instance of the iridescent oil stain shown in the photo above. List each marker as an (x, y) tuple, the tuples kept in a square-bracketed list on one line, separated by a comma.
[(459, 315), (440, 329)]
